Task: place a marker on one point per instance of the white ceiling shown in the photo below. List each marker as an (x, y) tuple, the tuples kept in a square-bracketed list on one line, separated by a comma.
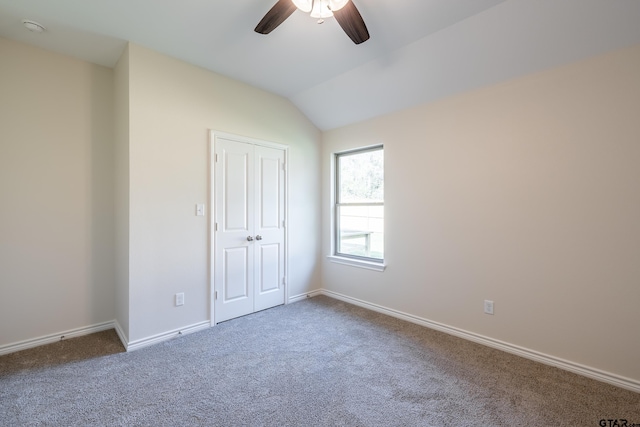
[(419, 51)]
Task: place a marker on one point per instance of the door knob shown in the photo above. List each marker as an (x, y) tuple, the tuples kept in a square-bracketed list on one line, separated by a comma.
[(258, 237), (249, 238)]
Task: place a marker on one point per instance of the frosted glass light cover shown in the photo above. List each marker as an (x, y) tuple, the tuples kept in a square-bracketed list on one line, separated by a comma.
[(337, 4), (303, 5)]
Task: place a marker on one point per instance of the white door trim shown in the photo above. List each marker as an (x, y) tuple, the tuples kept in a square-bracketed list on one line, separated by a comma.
[(213, 134)]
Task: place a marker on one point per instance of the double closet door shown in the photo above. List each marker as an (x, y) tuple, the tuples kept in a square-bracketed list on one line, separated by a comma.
[(249, 227)]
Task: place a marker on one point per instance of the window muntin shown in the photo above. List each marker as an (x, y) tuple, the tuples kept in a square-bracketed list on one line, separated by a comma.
[(359, 204)]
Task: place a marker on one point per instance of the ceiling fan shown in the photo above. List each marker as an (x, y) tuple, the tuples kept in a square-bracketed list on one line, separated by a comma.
[(344, 11)]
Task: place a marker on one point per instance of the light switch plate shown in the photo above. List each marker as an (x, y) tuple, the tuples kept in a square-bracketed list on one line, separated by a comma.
[(200, 209)]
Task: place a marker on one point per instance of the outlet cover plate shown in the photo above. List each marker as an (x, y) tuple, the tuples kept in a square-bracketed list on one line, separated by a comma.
[(180, 299), (488, 306)]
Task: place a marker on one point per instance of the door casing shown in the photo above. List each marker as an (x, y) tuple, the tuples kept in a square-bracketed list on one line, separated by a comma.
[(213, 135)]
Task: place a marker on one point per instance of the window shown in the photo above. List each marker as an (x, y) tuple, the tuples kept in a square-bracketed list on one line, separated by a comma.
[(359, 205)]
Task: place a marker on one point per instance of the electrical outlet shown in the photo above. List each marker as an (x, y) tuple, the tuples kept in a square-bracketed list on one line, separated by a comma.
[(180, 299), (488, 306)]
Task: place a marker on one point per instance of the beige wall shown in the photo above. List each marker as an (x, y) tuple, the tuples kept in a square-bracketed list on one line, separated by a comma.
[(524, 193), (100, 173), (56, 193), (173, 106)]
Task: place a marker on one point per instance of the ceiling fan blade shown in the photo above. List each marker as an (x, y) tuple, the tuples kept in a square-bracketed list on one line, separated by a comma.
[(276, 16), (352, 23)]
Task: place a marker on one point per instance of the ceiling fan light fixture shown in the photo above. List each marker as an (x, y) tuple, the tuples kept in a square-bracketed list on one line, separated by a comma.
[(321, 9), (346, 13), (303, 5)]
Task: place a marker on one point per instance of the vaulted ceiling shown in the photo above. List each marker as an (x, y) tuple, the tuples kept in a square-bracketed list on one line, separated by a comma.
[(419, 51)]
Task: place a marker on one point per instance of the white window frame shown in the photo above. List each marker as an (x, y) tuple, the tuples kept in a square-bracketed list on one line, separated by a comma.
[(352, 260)]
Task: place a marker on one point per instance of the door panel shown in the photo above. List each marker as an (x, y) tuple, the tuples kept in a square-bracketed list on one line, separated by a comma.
[(269, 276), (236, 269), (236, 190), (269, 286), (270, 192)]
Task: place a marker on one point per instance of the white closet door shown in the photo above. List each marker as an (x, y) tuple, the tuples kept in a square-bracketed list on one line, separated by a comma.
[(249, 220)]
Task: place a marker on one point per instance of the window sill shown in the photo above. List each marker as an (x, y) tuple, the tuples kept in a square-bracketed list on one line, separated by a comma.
[(357, 263)]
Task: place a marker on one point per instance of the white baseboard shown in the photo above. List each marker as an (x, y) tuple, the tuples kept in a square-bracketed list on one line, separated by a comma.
[(123, 337), (113, 324), (155, 339), (59, 336), (304, 296), (607, 377), (593, 373)]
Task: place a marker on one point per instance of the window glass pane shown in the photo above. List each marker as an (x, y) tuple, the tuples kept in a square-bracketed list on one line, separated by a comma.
[(361, 231), (361, 177)]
